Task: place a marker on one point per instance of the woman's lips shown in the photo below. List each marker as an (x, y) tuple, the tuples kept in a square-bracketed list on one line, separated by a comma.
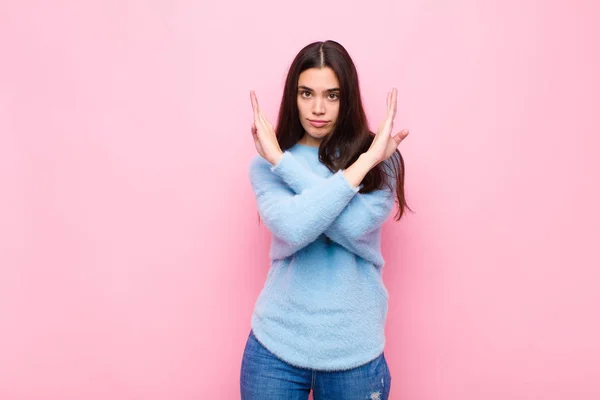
[(318, 124)]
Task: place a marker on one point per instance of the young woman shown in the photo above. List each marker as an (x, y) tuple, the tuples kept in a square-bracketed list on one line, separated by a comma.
[(324, 184)]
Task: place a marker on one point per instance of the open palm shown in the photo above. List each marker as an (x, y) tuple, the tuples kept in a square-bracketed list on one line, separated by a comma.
[(384, 144), (263, 133)]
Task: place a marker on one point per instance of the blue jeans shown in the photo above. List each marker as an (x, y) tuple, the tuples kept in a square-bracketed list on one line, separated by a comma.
[(264, 376)]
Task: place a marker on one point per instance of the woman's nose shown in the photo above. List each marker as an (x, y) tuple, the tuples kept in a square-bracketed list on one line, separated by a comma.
[(318, 107)]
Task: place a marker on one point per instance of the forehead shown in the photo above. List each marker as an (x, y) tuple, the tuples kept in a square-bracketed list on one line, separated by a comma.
[(318, 79)]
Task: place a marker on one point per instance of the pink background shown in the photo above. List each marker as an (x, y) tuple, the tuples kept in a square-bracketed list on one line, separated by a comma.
[(130, 253)]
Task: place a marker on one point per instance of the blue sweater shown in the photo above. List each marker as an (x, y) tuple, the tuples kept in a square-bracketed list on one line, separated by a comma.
[(324, 304)]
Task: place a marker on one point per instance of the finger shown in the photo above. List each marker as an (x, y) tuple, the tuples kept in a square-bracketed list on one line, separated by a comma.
[(264, 119), (390, 108), (400, 136), (387, 101), (255, 135), (394, 101), (262, 116), (260, 120), (254, 102)]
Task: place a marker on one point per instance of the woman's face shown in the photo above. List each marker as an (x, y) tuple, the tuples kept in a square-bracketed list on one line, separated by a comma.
[(318, 103)]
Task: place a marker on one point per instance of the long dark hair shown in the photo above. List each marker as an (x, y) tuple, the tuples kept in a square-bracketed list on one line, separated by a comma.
[(351, 135)]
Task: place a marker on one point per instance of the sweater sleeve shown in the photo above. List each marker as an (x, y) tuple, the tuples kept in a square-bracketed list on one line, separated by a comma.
[(297, 219), (356, 227)]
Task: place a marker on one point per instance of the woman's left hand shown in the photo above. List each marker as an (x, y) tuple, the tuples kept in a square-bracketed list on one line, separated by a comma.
[(384, 145)]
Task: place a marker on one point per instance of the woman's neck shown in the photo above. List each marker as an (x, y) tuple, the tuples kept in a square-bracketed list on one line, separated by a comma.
[(310, 141)]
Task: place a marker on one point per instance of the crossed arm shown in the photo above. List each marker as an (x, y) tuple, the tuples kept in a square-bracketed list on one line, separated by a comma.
[(298, 206)]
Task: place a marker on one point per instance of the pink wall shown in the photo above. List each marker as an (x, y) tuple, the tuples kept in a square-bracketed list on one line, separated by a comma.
[(130, 254)]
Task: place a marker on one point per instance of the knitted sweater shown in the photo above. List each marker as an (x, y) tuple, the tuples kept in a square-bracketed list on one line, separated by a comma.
[(323, 305)]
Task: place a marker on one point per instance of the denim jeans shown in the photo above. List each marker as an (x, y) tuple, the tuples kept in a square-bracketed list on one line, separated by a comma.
[(264, 376)]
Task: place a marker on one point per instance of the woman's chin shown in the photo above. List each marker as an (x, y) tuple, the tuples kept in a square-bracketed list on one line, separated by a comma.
[(318, 135)]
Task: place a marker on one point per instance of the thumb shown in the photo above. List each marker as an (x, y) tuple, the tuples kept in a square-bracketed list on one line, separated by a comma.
[(400, 136)]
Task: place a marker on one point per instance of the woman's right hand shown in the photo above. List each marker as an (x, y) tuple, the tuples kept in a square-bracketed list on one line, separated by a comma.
[(263, 133)]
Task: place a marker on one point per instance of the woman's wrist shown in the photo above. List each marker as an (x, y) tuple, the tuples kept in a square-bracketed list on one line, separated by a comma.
[(358, 170), (274, 159), (372, 159)]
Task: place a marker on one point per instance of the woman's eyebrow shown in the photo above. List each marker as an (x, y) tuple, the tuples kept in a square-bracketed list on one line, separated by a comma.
[(311, 90)]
